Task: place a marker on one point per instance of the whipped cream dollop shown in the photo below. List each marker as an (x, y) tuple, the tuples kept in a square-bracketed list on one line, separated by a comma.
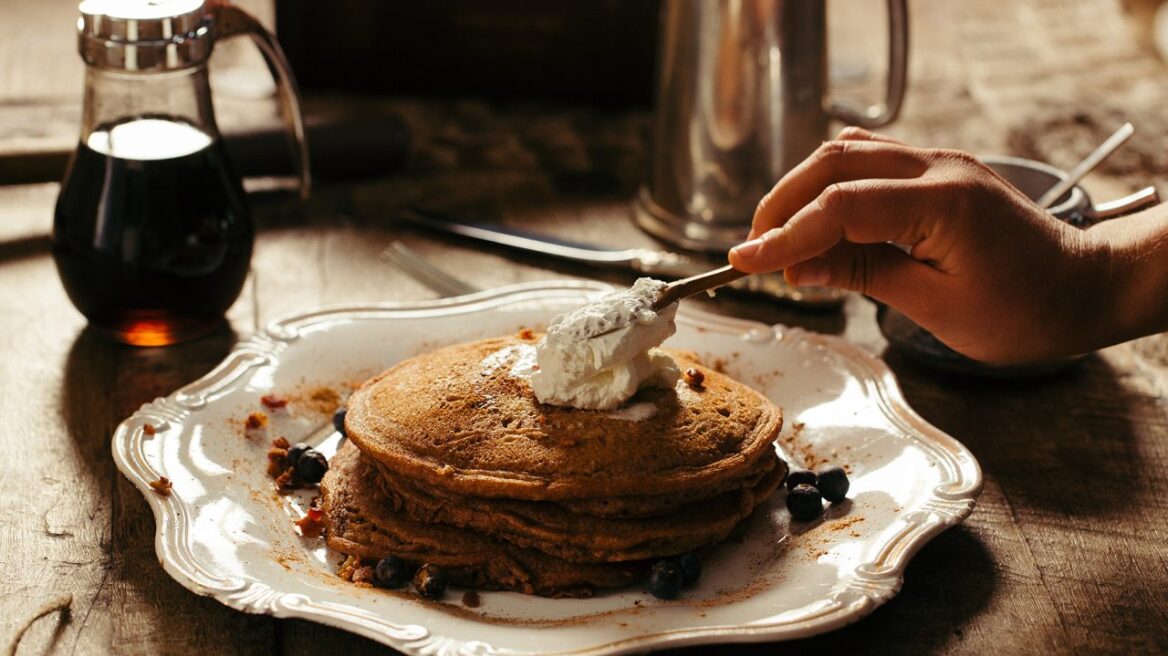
[(599, 354)]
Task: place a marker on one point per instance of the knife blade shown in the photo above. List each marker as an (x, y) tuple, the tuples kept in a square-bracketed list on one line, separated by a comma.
[(655, 263)]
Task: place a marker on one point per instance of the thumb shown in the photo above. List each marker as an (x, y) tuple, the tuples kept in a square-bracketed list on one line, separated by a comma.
[(881, 271)]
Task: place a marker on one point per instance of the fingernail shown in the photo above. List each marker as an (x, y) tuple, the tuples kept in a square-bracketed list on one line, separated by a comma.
[(747, 249), (812, 273)]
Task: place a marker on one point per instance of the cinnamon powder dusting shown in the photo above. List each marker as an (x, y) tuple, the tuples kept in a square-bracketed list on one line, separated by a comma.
[(323, 400)]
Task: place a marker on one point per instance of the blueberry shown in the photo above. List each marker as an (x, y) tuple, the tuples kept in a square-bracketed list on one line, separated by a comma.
[(691, 568), (430, 581), (391, 572), (665, 579), (295, 451), (339, 420), (800, 477), (311, 466), (833, 484), (804, 502)]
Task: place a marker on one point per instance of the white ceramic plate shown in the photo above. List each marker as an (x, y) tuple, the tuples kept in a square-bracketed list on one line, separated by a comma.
[(223, 532)]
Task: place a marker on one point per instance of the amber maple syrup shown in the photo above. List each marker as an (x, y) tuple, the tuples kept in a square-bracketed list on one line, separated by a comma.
[(152, 235)]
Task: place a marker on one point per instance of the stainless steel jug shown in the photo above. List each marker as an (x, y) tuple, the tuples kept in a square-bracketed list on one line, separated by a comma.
[(742, 97)]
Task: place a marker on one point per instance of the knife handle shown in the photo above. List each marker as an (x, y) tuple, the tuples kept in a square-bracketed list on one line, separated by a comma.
[(679, 289)]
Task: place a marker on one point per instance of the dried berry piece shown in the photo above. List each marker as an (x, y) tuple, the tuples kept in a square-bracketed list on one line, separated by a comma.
[(339, 420), (430, 581), (363, 576), (665, 579), (278, 457), (149, 429), (391, 572), (804, 502), (801, 477), (694, 377), (287, 480), (348, 566), (273, 401), (311, 466), (526, 334), (162, 486), (833, 484), (255, 421), (691, 568), (311, 525)]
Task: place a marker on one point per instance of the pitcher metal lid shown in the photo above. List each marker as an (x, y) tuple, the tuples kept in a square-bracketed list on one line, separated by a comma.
[(144, 35)]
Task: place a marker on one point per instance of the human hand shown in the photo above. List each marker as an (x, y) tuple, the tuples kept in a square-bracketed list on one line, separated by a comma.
[(987, 271)]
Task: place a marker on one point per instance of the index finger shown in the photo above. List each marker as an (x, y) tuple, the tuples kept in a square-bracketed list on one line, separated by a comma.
[(861, 212), (834, 162), (853, 133)]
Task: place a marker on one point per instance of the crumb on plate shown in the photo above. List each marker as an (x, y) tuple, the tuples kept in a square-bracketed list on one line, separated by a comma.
[(256, 421), (273, 401), (162, 486), (311, 525)]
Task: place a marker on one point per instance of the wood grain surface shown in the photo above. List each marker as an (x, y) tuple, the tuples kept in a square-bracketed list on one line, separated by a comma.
[(1066, 552)]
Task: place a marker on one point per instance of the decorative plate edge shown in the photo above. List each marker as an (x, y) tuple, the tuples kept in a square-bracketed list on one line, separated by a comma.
[(876, 582)]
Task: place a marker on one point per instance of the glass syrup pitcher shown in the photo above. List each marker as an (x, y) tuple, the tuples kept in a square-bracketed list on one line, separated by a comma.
[(152, 234)]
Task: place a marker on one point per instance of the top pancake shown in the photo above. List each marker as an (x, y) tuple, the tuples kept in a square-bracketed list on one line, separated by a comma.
[(456, 418)]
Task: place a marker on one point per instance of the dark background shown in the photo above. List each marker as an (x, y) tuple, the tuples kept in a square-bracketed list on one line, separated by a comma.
[(600, 52)]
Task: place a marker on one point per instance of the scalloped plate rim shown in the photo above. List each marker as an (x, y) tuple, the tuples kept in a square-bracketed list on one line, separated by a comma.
[(264, 343)]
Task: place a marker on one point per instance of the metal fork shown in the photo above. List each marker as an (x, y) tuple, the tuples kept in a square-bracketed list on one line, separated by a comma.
[(416, 267)]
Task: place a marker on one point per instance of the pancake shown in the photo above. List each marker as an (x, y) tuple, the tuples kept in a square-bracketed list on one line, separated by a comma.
[(360, 521), (553, 529), (645, 505), (451, 461), (458, 421)]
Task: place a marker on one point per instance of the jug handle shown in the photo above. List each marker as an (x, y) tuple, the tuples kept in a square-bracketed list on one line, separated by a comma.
[(875, 116), (232, 21)]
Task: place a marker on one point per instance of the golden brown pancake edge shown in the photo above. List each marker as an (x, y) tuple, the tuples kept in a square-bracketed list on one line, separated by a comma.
[(439, 419)]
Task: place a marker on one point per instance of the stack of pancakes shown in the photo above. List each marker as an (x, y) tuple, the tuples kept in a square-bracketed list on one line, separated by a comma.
[(450, 460)]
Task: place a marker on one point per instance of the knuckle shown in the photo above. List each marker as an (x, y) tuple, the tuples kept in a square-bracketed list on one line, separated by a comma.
[(958, 179), (834, 148), (959, 159), (834, 199), (959, 185), (830, 152), (853, 132)]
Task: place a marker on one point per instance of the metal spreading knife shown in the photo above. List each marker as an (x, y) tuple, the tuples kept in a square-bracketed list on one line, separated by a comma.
[(658, 264)]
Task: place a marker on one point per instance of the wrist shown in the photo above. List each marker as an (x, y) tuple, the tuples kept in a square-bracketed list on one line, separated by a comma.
[(1131, 258), (1082, 305)]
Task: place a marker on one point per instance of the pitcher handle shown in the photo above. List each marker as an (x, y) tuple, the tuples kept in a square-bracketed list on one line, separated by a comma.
[(877, 115), (232, 21)]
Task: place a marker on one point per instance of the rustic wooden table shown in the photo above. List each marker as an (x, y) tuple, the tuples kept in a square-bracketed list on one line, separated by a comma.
[(1065, 551)]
